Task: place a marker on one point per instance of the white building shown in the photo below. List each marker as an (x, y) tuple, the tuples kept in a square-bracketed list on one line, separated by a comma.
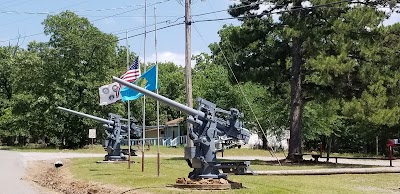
[(274, 141)]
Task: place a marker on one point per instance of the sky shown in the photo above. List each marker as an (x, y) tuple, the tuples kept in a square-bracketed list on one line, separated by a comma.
[(24, 18)]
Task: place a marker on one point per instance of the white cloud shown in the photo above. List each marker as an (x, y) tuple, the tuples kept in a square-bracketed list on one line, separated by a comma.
[(267, 6), (394, 18), (108, 21), (167, 56)]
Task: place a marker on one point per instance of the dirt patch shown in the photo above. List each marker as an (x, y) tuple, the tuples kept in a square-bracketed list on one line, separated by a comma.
[(60, 179)]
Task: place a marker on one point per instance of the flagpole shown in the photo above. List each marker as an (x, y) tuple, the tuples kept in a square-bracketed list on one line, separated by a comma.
[(144, 70), (158, 103), (129, 107)]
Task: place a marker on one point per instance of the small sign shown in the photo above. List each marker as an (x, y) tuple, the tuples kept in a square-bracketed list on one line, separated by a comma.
[(92, 133)]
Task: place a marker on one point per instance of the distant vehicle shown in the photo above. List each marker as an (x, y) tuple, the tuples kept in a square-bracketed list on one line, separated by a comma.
[(228, 143)]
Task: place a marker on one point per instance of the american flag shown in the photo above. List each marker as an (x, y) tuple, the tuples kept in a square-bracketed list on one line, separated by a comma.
[(133, 72)]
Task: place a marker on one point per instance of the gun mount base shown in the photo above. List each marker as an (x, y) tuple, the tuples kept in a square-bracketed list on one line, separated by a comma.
[(236, 167), (115, 158), (123, 156), (207, 171), (206, 184)]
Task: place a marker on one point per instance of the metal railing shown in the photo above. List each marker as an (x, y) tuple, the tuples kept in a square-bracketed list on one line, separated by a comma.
[(174, 142), (151, 141), (180, 140)]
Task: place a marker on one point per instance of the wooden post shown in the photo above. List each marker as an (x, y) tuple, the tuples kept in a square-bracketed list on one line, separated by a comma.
[(129, 106), (328, 151), (179, 134), (390, 155), (144, 97)]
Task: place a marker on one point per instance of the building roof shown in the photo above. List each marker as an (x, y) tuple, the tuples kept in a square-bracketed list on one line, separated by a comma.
[(174, 122), (170, 123)]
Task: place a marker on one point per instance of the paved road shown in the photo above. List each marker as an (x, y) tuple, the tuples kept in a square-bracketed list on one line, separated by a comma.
[(395, 163), (30, 156), (12, 169)]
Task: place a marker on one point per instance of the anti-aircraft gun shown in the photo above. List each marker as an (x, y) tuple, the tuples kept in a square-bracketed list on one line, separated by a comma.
[(209, 123), (116, 132)]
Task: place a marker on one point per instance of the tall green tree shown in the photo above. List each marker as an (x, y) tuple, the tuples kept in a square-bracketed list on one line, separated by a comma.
[(7, 79), (66, 71), (313, 47)]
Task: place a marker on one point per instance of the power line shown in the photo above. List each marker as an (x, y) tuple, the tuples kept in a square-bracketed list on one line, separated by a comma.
[(169, 26), (13, 22), (141, 27), (75, 11), (272, 13), (180, 2), (48, 13), (6, 2), (159, 2), (156, 3), (134, 16), (135, 35), (17, 4)]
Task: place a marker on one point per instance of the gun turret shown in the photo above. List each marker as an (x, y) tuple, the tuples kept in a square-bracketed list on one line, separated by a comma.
[(116, 132), (208, 125)]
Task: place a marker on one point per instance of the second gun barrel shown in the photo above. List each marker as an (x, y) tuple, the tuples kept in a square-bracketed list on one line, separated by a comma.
[(86, 115), (179, 106)]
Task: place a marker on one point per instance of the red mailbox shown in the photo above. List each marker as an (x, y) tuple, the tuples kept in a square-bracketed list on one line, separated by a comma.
[(390, 142)]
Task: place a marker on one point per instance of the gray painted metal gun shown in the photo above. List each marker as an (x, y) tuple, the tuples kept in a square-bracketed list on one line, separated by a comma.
[(209, 123), (116, 132)]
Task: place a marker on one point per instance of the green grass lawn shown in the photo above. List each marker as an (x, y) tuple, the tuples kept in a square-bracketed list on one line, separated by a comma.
[(172, 168)]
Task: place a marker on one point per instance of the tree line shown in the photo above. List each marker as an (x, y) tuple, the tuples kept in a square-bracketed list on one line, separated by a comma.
[(328, 75)]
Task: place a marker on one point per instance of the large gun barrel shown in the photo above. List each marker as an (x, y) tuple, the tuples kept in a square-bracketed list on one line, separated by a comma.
[(86, 115), (179, 106)]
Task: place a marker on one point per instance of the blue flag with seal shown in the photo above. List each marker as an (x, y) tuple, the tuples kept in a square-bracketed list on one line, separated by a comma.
[(148, 80)]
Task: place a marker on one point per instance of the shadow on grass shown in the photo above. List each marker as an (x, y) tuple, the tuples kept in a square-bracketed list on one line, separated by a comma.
[(140, 188), (176, 158), (283, 162)]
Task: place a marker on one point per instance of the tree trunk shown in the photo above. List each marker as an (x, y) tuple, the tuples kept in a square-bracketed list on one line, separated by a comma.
[(334, 147), (296, 103), (328, 150), (265, 142)]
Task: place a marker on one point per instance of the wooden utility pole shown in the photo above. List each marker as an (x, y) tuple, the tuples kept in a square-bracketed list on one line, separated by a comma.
[(188, 67)]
